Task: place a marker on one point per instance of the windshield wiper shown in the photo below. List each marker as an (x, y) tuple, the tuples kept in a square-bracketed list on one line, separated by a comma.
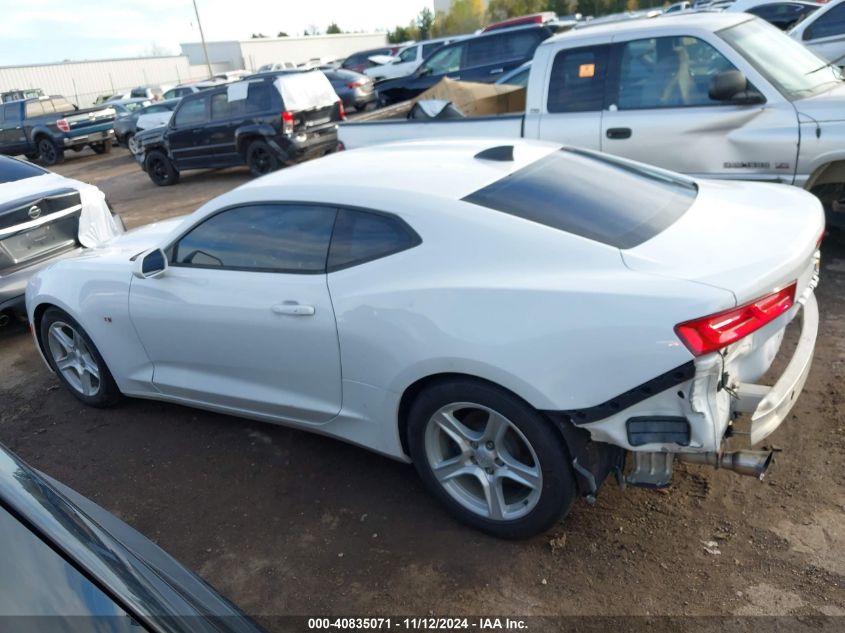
[(832, 65)]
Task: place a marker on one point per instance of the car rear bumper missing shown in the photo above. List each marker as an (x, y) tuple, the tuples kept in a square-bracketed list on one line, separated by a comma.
[(769, 406)]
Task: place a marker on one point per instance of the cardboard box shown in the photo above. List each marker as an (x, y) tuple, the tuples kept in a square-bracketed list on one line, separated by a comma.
[(477, 99)]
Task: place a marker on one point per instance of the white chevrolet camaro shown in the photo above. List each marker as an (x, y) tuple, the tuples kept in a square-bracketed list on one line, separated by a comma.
[(512, 319)]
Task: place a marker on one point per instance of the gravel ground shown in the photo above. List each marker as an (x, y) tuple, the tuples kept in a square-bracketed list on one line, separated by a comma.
[(284, 522)]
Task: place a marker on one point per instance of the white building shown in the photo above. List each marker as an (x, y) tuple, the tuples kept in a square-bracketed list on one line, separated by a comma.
[(254, 53), (83, 82)]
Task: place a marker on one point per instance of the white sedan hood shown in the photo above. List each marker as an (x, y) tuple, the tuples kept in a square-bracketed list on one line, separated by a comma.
[(96, 224)]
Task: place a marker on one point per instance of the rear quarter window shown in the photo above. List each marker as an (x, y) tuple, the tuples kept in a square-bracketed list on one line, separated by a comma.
[(591, 196)]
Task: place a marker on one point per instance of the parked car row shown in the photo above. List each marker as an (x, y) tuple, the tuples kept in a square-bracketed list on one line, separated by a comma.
[(707, 94)]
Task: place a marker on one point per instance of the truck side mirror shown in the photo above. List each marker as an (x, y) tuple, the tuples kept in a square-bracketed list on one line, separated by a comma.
[(732, 85), (150, 264)]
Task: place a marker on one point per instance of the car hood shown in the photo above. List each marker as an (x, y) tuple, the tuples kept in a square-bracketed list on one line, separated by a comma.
[(144, 237), (158, 590), (827, 106)]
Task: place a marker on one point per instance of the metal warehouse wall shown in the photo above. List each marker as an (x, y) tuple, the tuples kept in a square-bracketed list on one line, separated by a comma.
[(82, 82), (250, 54)]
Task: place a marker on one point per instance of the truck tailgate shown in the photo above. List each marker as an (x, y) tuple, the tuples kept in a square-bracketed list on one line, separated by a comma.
[(361, 134)]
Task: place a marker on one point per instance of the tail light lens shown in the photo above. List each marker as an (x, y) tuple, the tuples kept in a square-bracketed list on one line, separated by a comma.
[(63, 125), (341, 111), (354, 84), (714, 332), (287, 122)]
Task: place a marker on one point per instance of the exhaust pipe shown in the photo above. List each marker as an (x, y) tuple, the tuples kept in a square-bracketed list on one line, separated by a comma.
[(751, 463), (4, 319)]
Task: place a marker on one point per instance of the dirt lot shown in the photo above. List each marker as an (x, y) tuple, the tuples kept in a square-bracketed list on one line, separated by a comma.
[(284, 522)]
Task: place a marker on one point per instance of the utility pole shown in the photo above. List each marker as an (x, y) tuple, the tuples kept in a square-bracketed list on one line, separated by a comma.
[(202, 37)]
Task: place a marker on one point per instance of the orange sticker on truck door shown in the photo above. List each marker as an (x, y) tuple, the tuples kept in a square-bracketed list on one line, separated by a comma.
[(586, 70)]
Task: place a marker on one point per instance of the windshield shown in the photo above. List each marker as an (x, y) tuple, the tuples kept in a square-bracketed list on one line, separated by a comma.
[(788, 65)]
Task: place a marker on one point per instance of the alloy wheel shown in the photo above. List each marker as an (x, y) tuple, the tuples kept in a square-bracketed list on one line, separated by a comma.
[(483, 461), (73, 358)]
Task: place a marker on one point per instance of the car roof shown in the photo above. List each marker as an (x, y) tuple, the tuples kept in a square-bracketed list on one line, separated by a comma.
[(702, 21), (411, 167)]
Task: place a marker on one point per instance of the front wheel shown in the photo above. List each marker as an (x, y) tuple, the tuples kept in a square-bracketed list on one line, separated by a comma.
[(132, 144), (76, 360), (103, 147), (260, 158), (490, 458), (160, 170)]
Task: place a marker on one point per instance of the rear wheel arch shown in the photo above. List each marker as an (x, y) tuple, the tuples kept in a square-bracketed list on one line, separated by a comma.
[(415, 389), (832, 172)]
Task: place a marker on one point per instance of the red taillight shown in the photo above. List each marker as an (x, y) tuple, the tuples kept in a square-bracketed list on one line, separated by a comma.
[(341, 110), (63, 125), (354, 84), (821, 237), (287, 122), (714, 332)]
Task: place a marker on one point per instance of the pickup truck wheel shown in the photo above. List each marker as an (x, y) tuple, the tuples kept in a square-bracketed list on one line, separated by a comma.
[(161, 170), (102, 148), (49, 153), (493, 461), (76, 360), (260, 158)]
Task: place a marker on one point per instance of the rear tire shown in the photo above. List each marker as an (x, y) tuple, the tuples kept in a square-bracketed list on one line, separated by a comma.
[(76, 360), (48, 153), (102, 148), (494, 461), (160, 169), (261, 158)]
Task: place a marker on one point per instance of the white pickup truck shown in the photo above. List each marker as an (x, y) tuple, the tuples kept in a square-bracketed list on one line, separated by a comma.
[(714, 95)]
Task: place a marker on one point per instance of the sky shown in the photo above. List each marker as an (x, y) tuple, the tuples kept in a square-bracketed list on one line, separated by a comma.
[(41, 31)]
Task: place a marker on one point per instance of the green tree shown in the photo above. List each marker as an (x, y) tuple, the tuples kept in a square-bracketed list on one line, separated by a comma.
[(282, 34), (333, 29), (399, 34), (504, 9), (425, 24), (465, 16)]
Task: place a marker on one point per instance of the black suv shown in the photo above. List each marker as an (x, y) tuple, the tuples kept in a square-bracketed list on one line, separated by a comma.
[(483, 58), (244, 123)]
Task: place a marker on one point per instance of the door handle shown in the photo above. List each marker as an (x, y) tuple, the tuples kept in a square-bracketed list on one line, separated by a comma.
[(619, 132), (293, 309), (497, 71)]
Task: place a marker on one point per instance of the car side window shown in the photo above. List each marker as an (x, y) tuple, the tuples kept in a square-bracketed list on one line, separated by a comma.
[(829, 24), (62, 105), (33, 109), (446, 60), (428, 49), (258, 97), (12, 113), (484, 50), (362, 236), (408, 55), (261, 237), (578, 79), (192, 112), (222, 108), (668, 72)]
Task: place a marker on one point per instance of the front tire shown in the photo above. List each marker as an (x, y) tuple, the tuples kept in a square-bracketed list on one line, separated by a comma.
[(76, 360), (161, 170), (495, 462), (261, 159), (133, 145)]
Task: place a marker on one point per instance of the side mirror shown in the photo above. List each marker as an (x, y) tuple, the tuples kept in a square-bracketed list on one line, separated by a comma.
[(732, 85), (150, 264)]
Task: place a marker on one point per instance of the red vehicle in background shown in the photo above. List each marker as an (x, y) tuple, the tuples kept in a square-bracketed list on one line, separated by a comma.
[(523, 20)]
